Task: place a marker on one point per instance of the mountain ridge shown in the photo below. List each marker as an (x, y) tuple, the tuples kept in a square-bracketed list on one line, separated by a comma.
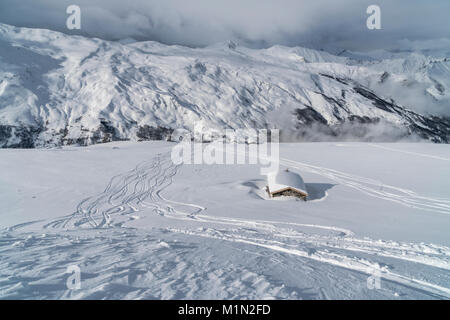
[(57, 89)]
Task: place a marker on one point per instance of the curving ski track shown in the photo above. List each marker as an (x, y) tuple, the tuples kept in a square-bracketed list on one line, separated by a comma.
[(124, 195), (376, 188), (141, 190)]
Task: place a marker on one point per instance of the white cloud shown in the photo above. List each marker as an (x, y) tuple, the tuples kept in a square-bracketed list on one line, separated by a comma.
[(258, 22)]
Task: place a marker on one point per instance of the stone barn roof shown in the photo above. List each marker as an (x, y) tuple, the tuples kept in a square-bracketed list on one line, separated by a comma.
[(286, 180)]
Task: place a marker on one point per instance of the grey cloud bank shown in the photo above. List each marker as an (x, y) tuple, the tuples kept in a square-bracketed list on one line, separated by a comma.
[(258, 23)]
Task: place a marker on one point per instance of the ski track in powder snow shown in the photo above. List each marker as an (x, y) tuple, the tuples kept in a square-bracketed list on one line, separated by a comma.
[(376, 188), (140, 190)]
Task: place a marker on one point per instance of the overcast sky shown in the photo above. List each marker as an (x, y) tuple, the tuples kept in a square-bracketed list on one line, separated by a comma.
[(318, 23)]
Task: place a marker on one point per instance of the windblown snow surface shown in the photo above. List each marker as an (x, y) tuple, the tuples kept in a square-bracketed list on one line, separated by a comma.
[(140, 227)]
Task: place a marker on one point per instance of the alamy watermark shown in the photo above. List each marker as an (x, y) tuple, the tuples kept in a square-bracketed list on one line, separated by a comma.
[(373, 22), (374, 280), (230, 147), (74, 19), (73, 282)]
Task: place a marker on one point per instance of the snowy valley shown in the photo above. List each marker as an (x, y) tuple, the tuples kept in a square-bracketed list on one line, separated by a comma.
[(83, 188)]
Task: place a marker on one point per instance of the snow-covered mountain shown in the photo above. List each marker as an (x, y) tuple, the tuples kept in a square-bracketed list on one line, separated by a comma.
[(57, 89)]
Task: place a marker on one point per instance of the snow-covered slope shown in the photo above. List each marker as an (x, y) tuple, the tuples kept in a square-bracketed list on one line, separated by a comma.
[(57, 89), (139, 227), (415, 78)]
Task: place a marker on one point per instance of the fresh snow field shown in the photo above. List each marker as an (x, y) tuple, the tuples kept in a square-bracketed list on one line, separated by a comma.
[(139, 227)]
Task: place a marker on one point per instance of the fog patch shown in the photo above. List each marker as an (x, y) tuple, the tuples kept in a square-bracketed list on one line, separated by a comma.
[(375, 130)]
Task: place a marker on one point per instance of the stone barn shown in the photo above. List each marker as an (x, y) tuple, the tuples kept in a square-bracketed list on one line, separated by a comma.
[(286, 183)]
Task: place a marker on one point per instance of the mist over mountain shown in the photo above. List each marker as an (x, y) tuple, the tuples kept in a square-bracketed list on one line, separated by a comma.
[(256, 23)]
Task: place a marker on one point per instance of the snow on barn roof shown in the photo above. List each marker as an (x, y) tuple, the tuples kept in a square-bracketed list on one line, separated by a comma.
[(283, 180)]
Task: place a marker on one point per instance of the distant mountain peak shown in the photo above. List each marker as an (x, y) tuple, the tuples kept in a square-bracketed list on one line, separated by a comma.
[(57, 89)]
